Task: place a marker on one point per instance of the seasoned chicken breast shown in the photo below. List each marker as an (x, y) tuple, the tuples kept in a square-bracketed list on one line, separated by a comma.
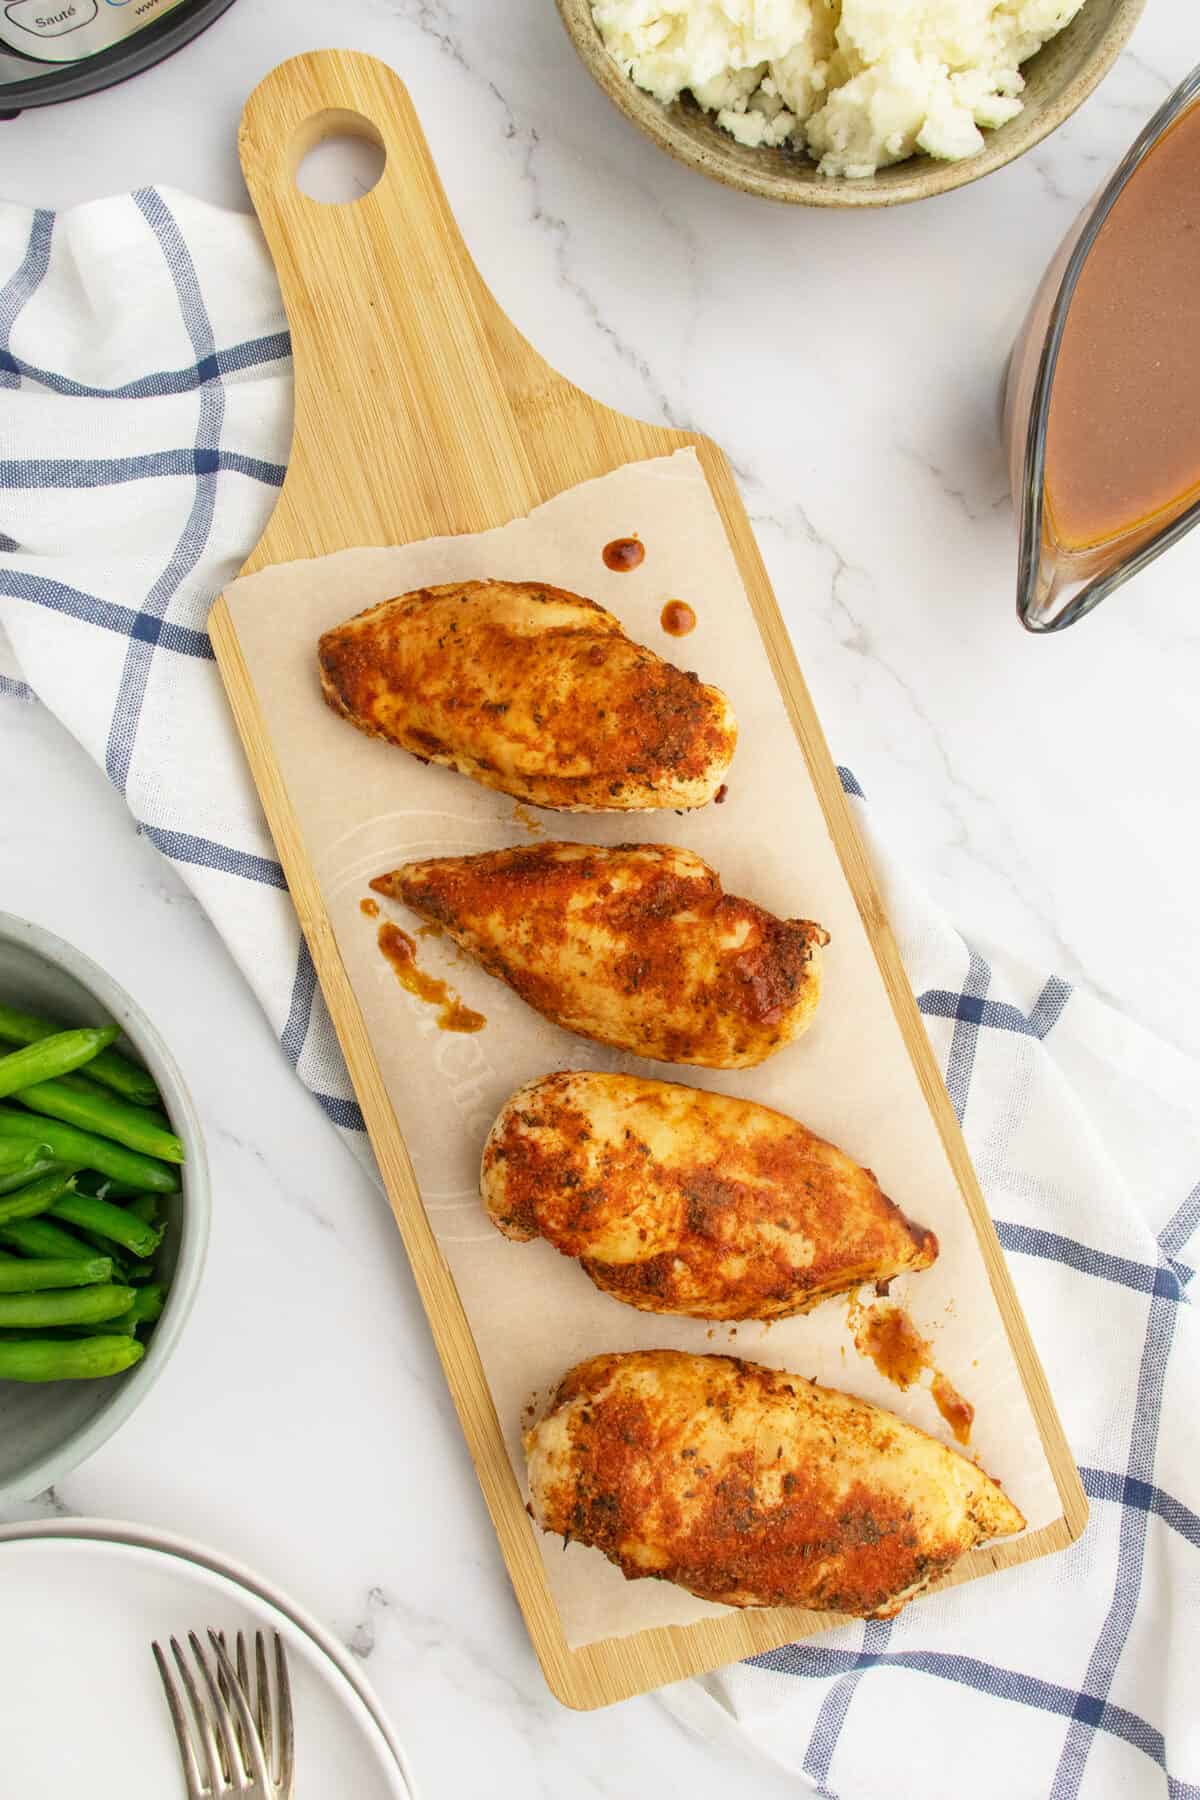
[(754, 1487), (636, 946), (531, 690), (680, 1201)]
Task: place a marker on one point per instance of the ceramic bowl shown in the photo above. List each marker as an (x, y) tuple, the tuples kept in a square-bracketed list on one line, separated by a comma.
[(1058, 79), (46, 1430)]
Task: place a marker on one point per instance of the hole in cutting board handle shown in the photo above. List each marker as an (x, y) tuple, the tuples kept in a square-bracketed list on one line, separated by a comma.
[(337, 157)]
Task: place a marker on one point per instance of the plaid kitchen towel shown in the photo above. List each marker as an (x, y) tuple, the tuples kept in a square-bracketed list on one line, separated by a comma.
[(144, 423)]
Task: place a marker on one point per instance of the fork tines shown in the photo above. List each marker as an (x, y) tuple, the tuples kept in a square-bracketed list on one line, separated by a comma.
[(239, 1740)]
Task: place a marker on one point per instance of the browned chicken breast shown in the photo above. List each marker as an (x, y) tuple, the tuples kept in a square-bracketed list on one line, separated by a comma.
[(636, 946), (531, 690), (680, 1201), (753, 1487)]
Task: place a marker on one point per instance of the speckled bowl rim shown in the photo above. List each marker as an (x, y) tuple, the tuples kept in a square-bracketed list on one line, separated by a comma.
[(780, 182), (129, 1390)]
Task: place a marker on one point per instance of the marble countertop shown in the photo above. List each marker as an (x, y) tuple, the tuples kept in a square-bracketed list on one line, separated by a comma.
[(1043, 790)]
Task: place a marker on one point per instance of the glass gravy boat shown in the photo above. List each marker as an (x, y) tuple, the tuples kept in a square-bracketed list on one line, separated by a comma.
[(1058, 584)]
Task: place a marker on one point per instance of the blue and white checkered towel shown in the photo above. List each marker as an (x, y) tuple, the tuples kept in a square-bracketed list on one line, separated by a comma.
[(144, 422)]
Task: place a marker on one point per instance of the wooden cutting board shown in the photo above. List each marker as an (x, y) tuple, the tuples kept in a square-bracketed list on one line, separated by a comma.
[(421, 411)]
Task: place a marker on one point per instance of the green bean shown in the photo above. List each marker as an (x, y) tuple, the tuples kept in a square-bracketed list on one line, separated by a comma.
[(80, 1084), (147, 1306), (115, 1071), (95, 1245), (148, 1302), (128, 1125), (124, 1325), (41, 1237), (111, 1222), (87, 1150), (143, 1207), (25, 1275), (37, 1197), (33, 1171), (73, 1306), (56, 1359), (51, 1056), (16, 1159), (125, 1269)]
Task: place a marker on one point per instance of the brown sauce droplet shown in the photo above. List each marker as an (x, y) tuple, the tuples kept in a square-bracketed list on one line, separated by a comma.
[(624, 554), (721, 795), (958, 1413), (888, 1336), (677, 618), (369, 907), (401, 952)]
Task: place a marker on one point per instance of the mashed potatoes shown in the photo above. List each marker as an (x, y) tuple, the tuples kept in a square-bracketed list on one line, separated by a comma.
[(858, 83)]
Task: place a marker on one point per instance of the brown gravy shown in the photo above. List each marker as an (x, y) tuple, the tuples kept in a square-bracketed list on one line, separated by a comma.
[(369, 908), (677, 618), (624, 554), (401, 952), (1123, 434)]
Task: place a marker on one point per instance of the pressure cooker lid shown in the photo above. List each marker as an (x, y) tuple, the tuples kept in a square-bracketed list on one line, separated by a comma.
[(54, 50)]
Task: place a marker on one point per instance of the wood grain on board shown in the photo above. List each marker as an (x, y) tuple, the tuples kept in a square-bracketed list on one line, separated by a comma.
[(422, 411)]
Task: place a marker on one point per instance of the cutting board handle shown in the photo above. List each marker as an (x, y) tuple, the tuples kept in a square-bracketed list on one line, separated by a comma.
[(394, 336)]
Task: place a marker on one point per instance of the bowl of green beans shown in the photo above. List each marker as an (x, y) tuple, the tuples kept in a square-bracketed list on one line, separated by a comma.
[(104, 1207)]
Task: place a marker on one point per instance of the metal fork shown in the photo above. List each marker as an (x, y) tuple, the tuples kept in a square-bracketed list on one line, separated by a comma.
[(243, 1751)]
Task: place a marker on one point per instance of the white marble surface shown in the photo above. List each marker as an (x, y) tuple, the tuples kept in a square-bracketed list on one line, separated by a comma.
[(1044, 789)]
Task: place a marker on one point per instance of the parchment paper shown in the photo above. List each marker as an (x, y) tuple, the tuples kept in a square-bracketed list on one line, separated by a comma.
[(364, 807)]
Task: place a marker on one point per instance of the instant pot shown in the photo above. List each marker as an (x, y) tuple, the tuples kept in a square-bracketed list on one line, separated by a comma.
[(59, 49)]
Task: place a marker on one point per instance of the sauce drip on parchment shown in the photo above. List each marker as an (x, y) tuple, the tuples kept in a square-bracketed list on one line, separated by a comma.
[(401, 952), (958, 1413), (889, 1338), (369, 908), (677, 618), (624, 554)]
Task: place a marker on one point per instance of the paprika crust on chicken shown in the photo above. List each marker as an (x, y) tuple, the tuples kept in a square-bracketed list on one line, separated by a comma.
[(533, 691), (677, 1200), (637, 945), (751, 1486)]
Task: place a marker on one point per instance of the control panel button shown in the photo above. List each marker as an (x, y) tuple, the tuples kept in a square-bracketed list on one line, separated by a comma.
[(51, 18)]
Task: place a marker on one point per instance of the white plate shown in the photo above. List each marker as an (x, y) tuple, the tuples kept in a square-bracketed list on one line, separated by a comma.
[(81, 1706), (128, 1532)]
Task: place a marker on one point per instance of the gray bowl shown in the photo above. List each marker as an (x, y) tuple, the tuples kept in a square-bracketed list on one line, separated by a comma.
[(1058, 79), (48, 1429)]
